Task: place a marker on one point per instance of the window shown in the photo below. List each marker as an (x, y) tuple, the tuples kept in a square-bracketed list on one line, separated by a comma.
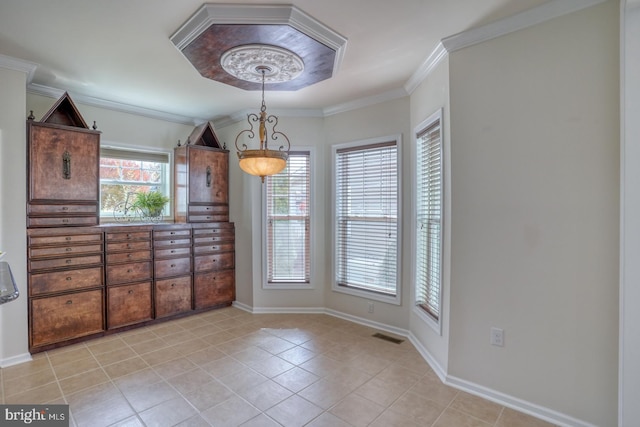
[(366, 219), (288, 223), (429, 200), (124, 172)]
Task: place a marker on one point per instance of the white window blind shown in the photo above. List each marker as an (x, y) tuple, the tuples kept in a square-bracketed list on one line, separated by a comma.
[(428, 271), (288, 222), (367, 217)]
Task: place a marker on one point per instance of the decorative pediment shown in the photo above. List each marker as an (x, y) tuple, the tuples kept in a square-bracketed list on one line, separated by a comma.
[(204, 135), (64, 112)]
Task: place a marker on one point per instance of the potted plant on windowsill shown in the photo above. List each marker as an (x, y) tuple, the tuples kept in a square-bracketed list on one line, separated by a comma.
[(150, 204)]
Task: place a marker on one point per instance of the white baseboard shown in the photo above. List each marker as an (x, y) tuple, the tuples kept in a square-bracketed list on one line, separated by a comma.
[(15, 360), (520, 405), (503, 399)]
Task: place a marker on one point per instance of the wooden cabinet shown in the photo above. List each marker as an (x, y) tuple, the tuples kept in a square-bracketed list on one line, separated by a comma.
[(66, 285), (129, 275), (201, 178), (63, 158), (172, 269), (213, 264)]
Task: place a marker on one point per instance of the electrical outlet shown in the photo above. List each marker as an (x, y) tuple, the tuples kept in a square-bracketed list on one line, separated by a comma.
[(370, 307), (497, 337)]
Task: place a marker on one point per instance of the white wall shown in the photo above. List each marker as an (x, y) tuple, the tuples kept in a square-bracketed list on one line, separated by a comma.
[(431, 95), (535, 183), (13, 198), (629, 377)]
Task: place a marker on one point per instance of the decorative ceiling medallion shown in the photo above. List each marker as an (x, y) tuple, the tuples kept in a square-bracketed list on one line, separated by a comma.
[(248, 63)]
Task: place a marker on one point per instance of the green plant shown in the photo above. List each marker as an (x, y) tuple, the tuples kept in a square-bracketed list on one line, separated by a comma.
[(150, 204)]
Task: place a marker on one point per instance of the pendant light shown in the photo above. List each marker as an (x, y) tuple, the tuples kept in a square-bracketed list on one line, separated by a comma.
[(263, 161)]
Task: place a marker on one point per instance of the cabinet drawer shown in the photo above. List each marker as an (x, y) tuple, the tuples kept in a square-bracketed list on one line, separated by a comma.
[(65, 317), (128, 257), (172, 296), (172, 242), (64, 239), (214, 262), (64, 250), (131, 272), (62, 221), (213, 288), (129, 246), (134, 235), (172, 267), (65, 262), (164, 253), (59, 281), (208, 217), (214, 229), (160, 234), (62, 209), (205, 249), (206, 240), (209, 209), (128, 304)]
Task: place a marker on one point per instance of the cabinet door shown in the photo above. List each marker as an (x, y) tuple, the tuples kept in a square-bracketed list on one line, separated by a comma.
[(208, 176), (63, 164), (64, 317), (213, 288), (173, 296), (129, 304)]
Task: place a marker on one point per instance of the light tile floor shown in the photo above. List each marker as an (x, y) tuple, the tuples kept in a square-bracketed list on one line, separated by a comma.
[(231, 368)]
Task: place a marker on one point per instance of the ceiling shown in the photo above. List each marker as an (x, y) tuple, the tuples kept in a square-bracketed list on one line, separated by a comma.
[(120, 51)]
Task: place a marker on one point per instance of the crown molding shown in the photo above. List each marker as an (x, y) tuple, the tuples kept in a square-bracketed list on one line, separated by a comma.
[(210, 14), (115, 106), (437, 55), (365, 102), (15, 64), (516, 22)]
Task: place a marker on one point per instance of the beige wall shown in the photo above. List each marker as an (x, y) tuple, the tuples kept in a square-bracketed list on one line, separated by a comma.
[(386, 119), (535, 183), (13, 197), (432, 95)]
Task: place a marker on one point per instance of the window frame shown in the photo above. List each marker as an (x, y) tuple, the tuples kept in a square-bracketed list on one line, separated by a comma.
[(423, 314), (292, 284), (167, 183), (362, 292)]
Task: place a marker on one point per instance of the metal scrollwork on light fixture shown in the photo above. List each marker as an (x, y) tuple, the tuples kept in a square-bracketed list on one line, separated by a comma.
[(263, 161)]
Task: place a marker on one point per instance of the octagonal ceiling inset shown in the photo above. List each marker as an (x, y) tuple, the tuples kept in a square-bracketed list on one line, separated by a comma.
[(215, 29)]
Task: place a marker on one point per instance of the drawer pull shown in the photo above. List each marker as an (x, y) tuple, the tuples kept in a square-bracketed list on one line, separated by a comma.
[(68, 261), (128, 236), (68, 249), (208, 208), (173, 232), (173, 251), (128, 245), (128, 255), (208, 217), (67, 238), (129, 270), (69, 279), (173, 285), (173, 241), (131, 292), (65, 208), (173, 265), (65, 220), (69, 302)]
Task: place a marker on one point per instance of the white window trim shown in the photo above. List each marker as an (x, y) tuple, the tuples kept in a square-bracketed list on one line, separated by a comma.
[(369, 295), (312, 231), (434, 324), (143, 149)]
